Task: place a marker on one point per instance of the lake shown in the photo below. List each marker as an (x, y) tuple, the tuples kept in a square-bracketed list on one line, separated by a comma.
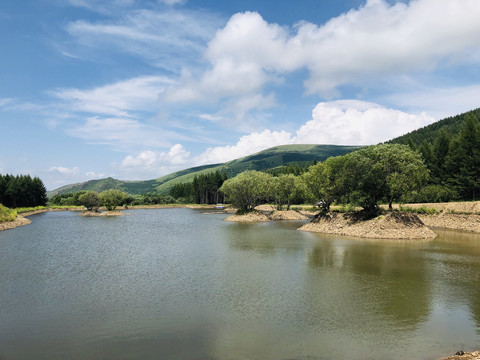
[(179, 284)]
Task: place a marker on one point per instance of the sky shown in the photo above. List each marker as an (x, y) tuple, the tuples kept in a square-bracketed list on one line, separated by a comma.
[(137, 89)]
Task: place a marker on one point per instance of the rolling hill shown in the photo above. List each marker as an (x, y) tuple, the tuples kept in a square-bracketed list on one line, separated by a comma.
[(263, 160)]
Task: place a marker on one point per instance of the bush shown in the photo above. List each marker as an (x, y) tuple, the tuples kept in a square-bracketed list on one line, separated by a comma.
[(7, 214), (112, 198), (431, 194)]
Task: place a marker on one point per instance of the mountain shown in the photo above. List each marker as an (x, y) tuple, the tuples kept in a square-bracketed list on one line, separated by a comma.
[(263, 160), (429, 133)]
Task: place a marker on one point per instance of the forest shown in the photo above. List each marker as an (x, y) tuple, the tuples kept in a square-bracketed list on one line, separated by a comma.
[(22, 191)]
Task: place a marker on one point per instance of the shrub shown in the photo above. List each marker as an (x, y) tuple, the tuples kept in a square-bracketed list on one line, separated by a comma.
[(7, 214)]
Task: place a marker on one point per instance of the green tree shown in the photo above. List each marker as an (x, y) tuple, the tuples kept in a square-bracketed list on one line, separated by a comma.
[(283, 190), (90, 199), (326, 182), (463, 160), (247, 189), (112, 198), (386, 171)]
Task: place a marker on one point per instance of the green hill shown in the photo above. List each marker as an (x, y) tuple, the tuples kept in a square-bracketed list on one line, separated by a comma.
[(263, 160)]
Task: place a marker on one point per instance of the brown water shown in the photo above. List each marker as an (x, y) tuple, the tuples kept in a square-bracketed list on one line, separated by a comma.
[(177, 284)]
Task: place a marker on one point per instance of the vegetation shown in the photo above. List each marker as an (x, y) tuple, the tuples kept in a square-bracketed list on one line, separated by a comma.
[(7, 214), (22, 190), (247, 190), (90, 199), (113, 198), (451, 151), (288, 156), (362, 178)]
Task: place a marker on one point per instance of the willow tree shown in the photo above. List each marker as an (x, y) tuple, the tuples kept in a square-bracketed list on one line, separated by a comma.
[(112, 198), (247, 190)]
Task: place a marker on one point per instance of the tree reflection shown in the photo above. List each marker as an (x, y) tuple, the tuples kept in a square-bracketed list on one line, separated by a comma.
[(388, 282)]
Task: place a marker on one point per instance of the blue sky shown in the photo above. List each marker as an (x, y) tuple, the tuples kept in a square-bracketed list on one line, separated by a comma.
[(138, 89)]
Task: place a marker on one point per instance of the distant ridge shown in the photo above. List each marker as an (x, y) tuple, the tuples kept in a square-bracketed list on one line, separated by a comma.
[(263, 160)]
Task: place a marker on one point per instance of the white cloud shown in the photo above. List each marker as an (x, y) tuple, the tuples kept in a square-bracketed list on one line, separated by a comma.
[(93, 175), (123, 98), (247, 145), (352, 122), (440, 102), (346, 122), (5, 101), (65, 171), (118, 132), (172, 2), (154, 164), (363, 45), (158, 37)]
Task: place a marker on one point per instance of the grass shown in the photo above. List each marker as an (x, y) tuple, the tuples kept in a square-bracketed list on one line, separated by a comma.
[(22, 210), (7, 214), (420, 210)]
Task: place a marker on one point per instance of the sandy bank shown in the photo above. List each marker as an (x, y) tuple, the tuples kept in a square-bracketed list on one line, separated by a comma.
[(259, 216), (393, 226), (465, 222), (468, 355), (287, 215), (104, 213), (250, 217), (19, 221)]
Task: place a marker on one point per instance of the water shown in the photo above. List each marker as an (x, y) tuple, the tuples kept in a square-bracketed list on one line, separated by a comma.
[(178, 284)]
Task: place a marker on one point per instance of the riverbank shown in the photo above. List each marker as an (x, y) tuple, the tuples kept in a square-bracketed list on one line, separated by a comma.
[(103, 213), (264, 216), (475, 355), (393, 226)]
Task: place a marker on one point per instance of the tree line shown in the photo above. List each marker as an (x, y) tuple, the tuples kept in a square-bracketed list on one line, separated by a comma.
[(204, 189), (453, 162), (22, 191), (365, 178)]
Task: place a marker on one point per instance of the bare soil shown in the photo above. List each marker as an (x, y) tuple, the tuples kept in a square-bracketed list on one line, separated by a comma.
[(19, 221), (287, 215), (250, 217), (394, 225), (470, 356)]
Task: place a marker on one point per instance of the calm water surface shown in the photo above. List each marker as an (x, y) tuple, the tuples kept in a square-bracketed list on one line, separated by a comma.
[(178, 284)]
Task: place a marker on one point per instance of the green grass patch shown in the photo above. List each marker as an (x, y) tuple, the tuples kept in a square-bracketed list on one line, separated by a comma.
[(7, 214), (420, 210)]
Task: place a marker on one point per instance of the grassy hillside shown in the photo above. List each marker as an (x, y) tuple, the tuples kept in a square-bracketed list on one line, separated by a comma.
[(451, 125), (263, 160), (132, 187)]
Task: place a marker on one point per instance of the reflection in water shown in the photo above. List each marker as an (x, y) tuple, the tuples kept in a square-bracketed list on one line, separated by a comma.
[(177, 284)]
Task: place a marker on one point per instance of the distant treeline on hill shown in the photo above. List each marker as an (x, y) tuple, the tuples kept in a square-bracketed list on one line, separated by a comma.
[(22, 191), (451, 151)]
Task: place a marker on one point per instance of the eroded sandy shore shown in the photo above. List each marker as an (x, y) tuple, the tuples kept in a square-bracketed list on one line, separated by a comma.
[(394, 226)]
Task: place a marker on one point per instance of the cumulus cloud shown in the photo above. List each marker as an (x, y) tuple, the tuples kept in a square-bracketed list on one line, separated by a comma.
[(247, 145), (374, 41), (347, 122), (352, 122), (93, 175), (65, 171), (440, 102), (155, 163)]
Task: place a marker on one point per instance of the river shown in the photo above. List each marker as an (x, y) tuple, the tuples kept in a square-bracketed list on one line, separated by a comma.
[(179, 284)]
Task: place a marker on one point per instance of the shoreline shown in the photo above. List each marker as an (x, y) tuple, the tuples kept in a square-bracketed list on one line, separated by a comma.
[(457, 216)]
